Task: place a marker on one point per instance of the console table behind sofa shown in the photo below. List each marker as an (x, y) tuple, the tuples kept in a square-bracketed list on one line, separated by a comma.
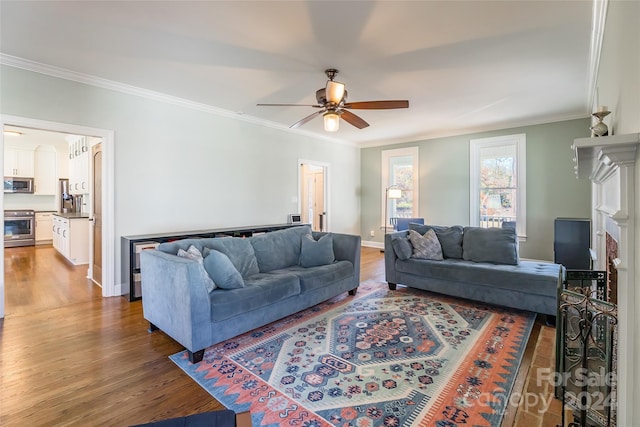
[(131, 246)]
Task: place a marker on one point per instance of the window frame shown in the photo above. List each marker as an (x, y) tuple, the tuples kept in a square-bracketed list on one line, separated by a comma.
[(520, 143), (386, 156)]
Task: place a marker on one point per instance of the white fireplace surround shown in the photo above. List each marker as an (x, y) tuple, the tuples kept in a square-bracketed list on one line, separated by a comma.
[(609, 162)]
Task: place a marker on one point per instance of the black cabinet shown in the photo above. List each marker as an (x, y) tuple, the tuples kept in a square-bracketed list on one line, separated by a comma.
[(571, 244), (131, 246)]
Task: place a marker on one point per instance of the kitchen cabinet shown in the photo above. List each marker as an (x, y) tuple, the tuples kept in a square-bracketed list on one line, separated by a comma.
[(44, 228), (71, 238), (18, 162), (79, 166), (45, 171)]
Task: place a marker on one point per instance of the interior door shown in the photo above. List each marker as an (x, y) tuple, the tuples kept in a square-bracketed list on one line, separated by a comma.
[(313, 186), (96, 215)]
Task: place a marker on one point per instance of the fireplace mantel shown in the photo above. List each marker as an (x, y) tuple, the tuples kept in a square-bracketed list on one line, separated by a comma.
[(598, 158), (610, 163)]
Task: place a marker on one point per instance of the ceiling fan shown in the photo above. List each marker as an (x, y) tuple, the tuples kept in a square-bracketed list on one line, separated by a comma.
[(332, 101)]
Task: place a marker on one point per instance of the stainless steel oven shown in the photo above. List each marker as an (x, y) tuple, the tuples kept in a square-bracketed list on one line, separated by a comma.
[(19, 228)]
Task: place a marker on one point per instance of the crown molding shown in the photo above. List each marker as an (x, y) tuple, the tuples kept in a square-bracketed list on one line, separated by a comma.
[(491, 127), (63, 73)]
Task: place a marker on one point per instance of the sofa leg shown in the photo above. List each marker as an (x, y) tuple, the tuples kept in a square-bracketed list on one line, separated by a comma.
[(392, 286), (152, 327), (550, 320), (353, 291), (196, 356)]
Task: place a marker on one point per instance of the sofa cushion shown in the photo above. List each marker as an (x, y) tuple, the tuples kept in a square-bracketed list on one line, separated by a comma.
[(261, 290), (240, 252), (531, 277), (450, 238), (279, 249), (425, 247), (193, 253), (494, 245), (320, 276), (316, 252), (222, 270), (402, 247)]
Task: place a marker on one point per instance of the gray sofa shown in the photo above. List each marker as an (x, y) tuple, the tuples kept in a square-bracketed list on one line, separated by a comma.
[(269, 276), (478, 264)]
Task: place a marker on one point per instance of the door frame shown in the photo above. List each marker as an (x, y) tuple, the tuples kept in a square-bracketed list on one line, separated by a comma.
[(325, 166), (109, 286)]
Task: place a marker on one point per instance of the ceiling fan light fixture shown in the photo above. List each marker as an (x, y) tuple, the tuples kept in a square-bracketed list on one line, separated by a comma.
[(331, 121), (334, 91)]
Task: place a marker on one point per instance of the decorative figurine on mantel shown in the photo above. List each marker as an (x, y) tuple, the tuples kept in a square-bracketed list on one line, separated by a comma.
[(600, 128)]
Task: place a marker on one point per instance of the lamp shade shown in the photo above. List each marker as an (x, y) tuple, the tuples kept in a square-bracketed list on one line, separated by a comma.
[(395, 193), (331, 121), (334, 91)]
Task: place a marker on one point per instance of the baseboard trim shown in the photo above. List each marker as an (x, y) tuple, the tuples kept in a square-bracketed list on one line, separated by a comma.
[(372, 244)]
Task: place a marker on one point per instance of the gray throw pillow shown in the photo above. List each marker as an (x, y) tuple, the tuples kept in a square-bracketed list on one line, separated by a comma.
[(194, 254), (402, 247), (494, 245), (450, 238), (222, 270), (427, 246), (316, 252)]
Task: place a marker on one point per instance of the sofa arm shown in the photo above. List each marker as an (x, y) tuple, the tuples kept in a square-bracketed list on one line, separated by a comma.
[(390, 257), (346, 247), (175, 299)]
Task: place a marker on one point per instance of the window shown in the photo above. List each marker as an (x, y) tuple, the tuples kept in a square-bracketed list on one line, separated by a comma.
[(497, 172), (400, 170)]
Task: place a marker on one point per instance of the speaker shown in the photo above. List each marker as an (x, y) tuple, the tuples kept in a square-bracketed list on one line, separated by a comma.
[(572, 240)]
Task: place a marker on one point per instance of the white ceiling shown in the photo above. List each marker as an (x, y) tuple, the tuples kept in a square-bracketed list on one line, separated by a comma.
[(463, 65)]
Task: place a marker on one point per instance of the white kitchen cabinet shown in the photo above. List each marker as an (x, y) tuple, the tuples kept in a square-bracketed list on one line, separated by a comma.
[(45, 171), (18, 162), (79, 166), (44, 228), (71, 238)]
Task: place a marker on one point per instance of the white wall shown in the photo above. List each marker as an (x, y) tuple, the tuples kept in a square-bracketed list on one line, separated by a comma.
[(179, 169), (619, 88)]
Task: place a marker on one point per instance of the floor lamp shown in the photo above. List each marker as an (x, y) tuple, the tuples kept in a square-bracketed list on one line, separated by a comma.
[(390, 193)]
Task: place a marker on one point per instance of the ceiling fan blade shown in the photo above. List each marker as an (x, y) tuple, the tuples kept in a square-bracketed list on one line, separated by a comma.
[(290, 105), (377, 105), (354, 120), (306, 119)]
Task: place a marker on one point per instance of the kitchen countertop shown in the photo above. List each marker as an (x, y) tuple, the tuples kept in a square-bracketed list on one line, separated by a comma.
[(72, 215)]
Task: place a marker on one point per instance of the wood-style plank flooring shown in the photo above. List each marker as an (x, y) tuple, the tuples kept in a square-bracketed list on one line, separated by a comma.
[(70, 357)]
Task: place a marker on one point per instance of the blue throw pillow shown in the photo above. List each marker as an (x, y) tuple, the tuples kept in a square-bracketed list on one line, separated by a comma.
[(222, 270), (316, 252), (402, 247), (494, 245)]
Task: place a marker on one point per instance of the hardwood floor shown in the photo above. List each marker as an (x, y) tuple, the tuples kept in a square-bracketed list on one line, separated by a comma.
[(70, 357)]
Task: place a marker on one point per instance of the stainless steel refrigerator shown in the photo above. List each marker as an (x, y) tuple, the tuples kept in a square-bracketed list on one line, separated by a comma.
[(66, 199)]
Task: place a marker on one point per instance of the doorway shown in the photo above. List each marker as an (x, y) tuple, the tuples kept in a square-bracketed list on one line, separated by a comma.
[(313, 194), (106, 158)]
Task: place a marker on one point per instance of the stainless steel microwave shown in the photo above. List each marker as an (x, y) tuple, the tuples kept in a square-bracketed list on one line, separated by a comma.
[(14, 184)]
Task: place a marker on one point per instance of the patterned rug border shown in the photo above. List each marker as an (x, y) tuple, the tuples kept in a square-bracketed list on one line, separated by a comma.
[(306, 417)]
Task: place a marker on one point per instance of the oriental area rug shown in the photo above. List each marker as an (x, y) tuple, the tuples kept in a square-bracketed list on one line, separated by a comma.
[(383, 358)]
